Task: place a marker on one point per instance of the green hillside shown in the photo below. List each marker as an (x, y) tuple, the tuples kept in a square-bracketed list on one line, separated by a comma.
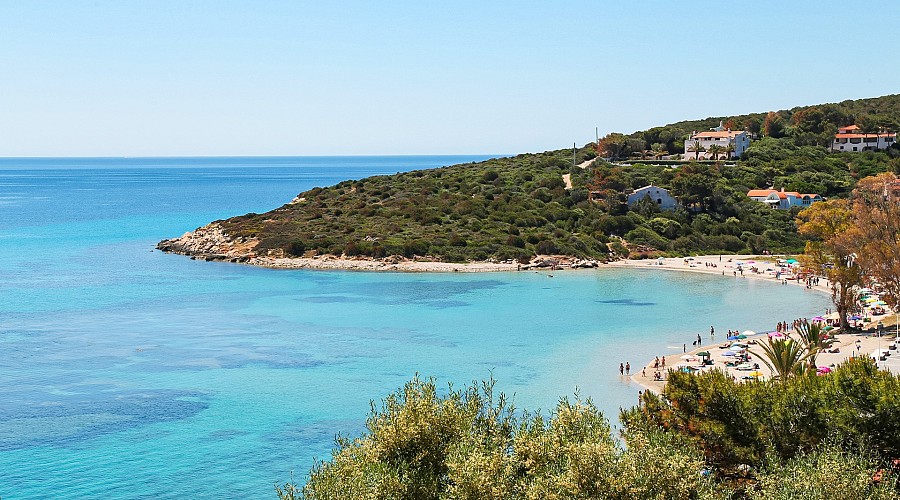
[(519, 207)]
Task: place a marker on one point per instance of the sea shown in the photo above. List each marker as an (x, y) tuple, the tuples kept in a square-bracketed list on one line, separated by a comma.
[(129, 373)]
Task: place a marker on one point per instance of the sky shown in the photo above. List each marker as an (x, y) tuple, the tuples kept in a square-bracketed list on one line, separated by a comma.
[(211, 78)]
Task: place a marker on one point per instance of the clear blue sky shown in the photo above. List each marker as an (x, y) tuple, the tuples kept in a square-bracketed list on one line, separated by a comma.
[(188, 77)]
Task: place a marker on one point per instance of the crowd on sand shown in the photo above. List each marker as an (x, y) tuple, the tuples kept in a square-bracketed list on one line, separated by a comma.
[(738, 353)]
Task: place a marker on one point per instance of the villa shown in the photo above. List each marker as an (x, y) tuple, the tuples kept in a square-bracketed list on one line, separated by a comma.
[(739, 141), (783, 200), (658, 195), (851, 139)]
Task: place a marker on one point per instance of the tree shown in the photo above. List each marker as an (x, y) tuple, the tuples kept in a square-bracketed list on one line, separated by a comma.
[(659, 150), (785, 357), (813, 339), (831, 250), (695, 183), (773, 125), (715, 150), (867, 125), (696, 148), (616, 145), (876, 231), (729, 149)]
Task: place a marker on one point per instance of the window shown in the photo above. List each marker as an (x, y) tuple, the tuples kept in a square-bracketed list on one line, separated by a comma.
[(854, 148), (659, 201)]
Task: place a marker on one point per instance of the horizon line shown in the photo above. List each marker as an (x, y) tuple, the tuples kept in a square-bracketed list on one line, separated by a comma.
[(117, 157)]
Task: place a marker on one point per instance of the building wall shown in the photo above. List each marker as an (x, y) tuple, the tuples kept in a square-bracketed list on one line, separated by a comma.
[(659, 195), (741, 143), (847, 144)]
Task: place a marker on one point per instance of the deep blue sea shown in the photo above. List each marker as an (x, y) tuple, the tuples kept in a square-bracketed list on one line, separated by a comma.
[(129, 373)]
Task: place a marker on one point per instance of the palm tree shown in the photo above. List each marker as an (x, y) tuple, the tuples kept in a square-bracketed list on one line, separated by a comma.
[(715, 150), (784, 357), (729, 150), (696, 148), (813, 340), (659, 150)]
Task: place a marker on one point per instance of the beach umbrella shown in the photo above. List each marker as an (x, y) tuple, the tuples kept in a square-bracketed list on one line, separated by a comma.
[(856, 317), (818, 318), (755, 374), (880, 303), (704, 354), (748, 333), (729, 353), (737, 348), (735, 337), (823, 369), (791, 261), (776, 335)]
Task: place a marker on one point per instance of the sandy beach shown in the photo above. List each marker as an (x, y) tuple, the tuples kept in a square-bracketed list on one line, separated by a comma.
[(726, 266)]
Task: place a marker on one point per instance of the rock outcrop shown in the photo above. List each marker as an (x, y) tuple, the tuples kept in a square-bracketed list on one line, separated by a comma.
[(210, 242)]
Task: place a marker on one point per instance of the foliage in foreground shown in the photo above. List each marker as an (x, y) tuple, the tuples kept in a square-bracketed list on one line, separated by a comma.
[(856, 407), (707, 437), (471, 444)]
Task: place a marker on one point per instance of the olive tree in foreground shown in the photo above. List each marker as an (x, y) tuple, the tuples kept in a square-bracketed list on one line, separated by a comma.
[(421, 444)]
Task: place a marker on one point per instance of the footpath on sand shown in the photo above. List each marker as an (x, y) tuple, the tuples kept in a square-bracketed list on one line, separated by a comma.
[(716, 345)]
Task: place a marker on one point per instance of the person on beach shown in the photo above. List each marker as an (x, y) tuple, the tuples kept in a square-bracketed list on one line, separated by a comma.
[(656, 362), (644, 372), (627, 368), (712, 332), (698, 336), (621, 369), (663, 362)]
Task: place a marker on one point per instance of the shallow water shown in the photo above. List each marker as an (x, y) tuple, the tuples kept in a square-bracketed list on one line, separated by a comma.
[(128, 373)]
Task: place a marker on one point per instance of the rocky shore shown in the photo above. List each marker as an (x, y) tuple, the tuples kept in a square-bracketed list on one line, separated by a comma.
[(212, 243)]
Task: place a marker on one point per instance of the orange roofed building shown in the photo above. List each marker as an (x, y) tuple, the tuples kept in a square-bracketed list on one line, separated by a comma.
[(783, 200), (851, 139), (717, 136)]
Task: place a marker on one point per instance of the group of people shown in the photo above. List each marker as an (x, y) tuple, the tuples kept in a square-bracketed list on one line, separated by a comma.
[(625, 368)]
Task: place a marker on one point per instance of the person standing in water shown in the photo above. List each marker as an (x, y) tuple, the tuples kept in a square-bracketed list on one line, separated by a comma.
[(621, 369)]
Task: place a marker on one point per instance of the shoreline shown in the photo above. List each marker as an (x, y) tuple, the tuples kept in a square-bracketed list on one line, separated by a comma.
[(211, 243), (847, 344)]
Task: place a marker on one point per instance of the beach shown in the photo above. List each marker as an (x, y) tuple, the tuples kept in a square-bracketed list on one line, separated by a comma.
[(717, 344)]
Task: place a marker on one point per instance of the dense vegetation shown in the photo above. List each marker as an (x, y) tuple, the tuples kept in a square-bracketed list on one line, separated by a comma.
[(802, 125), (519, 207), (706, 437)]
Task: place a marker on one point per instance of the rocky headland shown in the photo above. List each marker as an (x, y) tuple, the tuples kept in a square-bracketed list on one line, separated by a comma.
[(213, 243)]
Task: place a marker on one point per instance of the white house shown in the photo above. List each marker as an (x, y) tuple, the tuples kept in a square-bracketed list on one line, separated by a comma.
[(658, 195), (851, 139), (718, 136), (783, 200)]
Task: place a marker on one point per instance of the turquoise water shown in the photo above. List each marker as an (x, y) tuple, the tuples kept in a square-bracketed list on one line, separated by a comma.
[(128, 373)]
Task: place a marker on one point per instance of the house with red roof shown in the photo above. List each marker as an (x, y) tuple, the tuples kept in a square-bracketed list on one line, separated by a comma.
[(719, 136), (851, 139), (783, 200)]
